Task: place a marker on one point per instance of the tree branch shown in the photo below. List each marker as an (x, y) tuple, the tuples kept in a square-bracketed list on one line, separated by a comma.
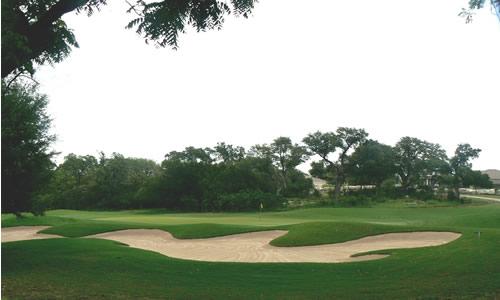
[(58, 10), (134, 9), (13, 79)]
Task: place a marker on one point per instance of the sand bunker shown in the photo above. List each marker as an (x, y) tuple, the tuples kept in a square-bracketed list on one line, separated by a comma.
[(254, 247), (20, 233), (250, 247)]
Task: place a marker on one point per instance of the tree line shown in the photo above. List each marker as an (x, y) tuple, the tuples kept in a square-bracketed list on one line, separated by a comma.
[(230, 178), (412, 165), (220, 178)]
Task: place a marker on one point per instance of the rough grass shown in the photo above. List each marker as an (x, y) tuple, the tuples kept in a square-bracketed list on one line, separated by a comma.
[(29, 220), (468, 268)]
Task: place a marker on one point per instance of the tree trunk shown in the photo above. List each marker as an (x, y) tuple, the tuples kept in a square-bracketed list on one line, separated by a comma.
[(338, 184), (458, 184), (405, 184), (457, 193), (284, 178)]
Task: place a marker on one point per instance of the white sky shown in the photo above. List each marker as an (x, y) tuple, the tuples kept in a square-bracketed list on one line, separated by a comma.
[(395, 68)]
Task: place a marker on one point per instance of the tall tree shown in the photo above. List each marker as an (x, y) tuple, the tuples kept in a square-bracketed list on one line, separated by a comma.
[(349, 139), (326, 144), (191, 155), (78, 166), (71, 183), (461, 166), (228, 153), (26, 141), (34, 32), (286, 156), (417, 159), (372, 163)]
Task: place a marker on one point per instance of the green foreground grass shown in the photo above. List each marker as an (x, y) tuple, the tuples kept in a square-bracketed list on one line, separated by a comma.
[(468, 268)]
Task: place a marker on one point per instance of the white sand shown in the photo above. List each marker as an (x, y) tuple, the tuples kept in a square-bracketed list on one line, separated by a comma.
[(20, 233), (250, 247), (254, 247)]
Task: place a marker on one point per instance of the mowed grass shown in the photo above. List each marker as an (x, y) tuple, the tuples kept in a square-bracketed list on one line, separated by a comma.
[(467, 268)]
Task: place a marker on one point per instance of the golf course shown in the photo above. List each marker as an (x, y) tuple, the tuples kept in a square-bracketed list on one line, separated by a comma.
[(250, 149), (80, 266)]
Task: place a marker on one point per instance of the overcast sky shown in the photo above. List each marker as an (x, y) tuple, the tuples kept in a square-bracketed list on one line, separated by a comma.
[(395, 68)]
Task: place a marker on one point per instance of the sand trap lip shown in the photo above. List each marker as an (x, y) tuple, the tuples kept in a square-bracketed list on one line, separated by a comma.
[(255, 247), (21, 233)]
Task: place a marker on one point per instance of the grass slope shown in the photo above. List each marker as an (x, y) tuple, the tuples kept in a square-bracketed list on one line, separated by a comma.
[(468, 268)]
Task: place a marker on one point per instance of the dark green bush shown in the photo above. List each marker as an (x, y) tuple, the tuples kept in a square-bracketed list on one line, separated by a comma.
[(249, 201)]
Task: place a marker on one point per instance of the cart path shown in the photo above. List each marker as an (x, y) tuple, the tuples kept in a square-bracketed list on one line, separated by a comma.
[(480, 197)]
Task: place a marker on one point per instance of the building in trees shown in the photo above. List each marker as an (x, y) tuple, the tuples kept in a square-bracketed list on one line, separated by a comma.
[(494, 176)]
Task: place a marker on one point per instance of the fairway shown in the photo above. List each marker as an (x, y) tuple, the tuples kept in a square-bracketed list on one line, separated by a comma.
[(94, 268), (247, 149)]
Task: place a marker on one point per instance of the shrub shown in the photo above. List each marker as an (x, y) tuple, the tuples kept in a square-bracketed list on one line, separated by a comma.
[(388, 188), (355, 200)]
